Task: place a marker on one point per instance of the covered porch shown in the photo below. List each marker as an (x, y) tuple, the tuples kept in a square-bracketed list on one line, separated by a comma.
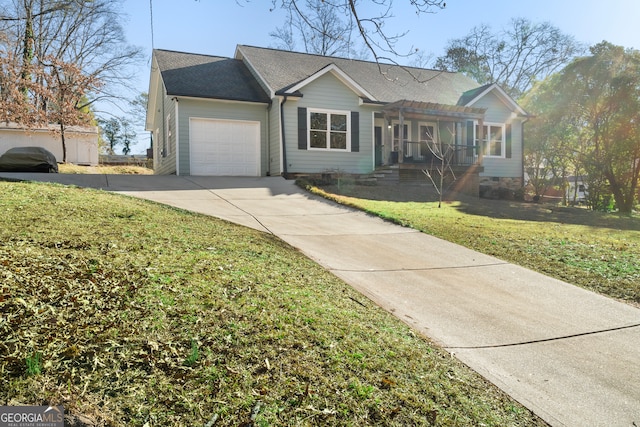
[(420, 133)]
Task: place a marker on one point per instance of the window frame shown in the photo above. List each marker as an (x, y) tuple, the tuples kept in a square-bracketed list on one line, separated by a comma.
[(486, 147), (329, 113)]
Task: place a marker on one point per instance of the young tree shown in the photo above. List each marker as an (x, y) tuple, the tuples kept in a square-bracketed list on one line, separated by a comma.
[(110, 131), (514, 57), (117, 131), (65, 90), (597, 102), (128, 135)]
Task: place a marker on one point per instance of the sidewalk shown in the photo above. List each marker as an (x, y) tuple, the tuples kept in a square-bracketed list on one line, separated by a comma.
[(570, 355)]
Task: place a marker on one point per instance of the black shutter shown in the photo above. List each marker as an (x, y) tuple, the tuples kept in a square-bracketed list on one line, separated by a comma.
[(302, 128), (508, 141), (355, 131)]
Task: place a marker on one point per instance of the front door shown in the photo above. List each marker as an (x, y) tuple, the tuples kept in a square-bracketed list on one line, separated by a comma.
[(378, 145)]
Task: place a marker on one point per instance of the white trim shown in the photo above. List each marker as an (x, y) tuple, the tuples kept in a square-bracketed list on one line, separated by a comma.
[(227, 101), (347, 114), (373, 139), (340, 75), (154, 80), (503, 147), (406, 136), (502, 95)]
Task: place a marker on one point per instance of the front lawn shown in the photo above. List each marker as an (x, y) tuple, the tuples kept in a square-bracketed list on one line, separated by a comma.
[(130, 313), (598, 251)]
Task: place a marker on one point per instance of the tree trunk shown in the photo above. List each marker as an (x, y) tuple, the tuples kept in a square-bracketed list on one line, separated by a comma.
[(64, 144)]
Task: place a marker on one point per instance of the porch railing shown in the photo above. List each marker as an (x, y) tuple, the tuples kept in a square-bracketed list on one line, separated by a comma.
[(431, 153)]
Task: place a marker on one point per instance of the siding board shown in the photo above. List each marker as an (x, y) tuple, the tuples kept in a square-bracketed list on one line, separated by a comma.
[(327, 92)]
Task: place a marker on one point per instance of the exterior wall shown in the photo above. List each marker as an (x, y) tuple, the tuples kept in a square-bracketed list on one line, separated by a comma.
[(82, 146), (275, 142), (164, 161), (327, 92), (215, 109), (497, 112)]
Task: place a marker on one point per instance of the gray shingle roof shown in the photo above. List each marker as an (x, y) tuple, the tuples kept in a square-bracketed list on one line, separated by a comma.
[(203, 76), (387, 83)]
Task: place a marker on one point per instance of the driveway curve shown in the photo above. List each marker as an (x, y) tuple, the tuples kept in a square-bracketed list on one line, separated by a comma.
[(569, 355)]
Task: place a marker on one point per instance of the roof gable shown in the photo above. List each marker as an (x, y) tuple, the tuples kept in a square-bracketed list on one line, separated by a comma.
[(469, 98), (336, 72), (203, 76)]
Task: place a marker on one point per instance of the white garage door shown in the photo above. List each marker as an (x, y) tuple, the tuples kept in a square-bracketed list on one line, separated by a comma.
[(224, 147)]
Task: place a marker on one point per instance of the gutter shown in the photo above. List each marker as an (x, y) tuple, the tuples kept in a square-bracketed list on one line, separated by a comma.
[(284, 144)]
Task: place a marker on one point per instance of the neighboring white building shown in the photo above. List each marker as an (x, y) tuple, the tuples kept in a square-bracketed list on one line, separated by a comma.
[(576, 190), (82, 143)]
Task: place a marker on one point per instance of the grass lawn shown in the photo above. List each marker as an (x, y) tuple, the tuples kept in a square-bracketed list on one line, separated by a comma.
[(70, 168), (595, 250), (131, 313)]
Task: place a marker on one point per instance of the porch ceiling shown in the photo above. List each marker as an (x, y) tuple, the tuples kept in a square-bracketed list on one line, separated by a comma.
[(432, 109)]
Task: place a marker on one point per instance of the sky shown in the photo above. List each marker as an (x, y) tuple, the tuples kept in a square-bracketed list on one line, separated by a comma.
[(215, 27)]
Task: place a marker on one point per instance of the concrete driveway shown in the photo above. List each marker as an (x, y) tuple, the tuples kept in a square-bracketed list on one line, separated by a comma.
[(570, 355)]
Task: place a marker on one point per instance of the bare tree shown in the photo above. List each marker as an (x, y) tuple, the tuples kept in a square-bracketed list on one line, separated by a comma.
[(323, 31), (64, 44), (368, 18), (514, 57)]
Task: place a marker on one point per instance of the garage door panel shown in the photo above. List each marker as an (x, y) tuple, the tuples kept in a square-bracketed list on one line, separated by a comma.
[(224, 147)]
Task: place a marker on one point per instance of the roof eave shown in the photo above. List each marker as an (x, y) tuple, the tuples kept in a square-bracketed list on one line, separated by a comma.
[(336, 72), (503, 96)]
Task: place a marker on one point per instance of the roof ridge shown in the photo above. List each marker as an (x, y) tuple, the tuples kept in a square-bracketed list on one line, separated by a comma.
[(192, 53), (409, 67)]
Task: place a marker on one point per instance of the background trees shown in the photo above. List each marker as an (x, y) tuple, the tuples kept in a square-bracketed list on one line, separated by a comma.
[(69, 53), (591, 109), (323, 29), (513, 57), (365, 19)]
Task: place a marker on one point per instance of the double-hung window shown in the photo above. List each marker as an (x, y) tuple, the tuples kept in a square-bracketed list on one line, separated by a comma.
[(329, 130), (493, 139)]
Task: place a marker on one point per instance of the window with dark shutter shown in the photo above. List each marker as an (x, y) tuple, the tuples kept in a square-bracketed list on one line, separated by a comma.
[(327, 130)]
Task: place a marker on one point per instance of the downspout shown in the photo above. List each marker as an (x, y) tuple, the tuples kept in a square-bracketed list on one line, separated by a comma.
[(177, 138), (268, 133), (522, 150), (284, 144)]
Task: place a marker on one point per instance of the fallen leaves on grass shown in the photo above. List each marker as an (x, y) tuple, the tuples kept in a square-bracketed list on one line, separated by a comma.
[(130, 313)]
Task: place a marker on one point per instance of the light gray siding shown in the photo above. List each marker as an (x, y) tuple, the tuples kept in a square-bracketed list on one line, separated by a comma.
[(498, 112), (164, 138), (275, 143), (227, 110), (327, 92)]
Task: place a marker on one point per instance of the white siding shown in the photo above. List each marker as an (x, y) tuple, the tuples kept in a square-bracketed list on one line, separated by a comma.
[(81, 147)]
